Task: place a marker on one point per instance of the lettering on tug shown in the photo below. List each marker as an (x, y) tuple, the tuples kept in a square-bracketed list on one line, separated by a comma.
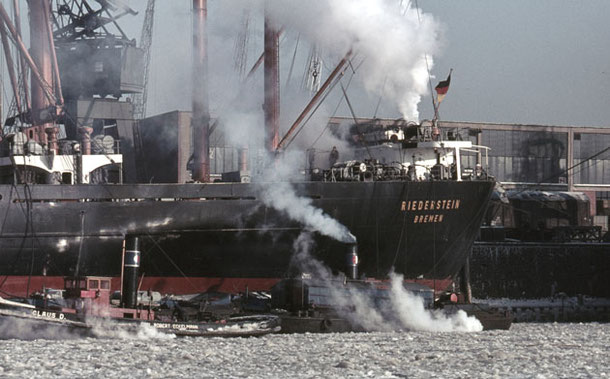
[(44, 314), (421, 209)]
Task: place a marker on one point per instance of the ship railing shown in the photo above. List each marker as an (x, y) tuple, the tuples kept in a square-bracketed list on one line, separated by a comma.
[(480, 151)]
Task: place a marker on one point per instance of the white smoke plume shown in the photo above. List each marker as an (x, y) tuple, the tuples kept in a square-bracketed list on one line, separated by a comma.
[(392, 39), (396, 41), (401, 310), (281, 195)]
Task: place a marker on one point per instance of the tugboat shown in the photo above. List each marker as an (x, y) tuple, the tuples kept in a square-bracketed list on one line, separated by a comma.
[(86, 310), (314, 304)]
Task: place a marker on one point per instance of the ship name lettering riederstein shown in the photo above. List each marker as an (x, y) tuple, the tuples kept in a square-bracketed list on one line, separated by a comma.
[(429, 205)]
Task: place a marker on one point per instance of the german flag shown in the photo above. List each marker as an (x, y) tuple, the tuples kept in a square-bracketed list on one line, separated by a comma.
[(442, 88)]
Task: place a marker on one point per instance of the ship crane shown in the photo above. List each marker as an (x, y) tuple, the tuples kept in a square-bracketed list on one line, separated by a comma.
[(139, 99), (77, 19), (78, 54)]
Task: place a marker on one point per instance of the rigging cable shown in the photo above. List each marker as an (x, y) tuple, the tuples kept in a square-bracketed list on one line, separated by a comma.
[(380, 96), (29, 204), (338, 104), (82, 239), (330, 88), (349, 105), (171, 261), (433, 247), (402, 230), (294, 56)]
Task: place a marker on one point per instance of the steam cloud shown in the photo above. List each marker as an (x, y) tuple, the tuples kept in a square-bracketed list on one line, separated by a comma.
[(402, 309), (394, 39), (17, 326), (279, 194)]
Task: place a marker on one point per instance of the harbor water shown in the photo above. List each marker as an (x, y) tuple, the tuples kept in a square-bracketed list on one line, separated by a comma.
[(528, 350)]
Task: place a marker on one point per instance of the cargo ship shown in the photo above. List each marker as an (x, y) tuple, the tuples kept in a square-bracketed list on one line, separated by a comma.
[(67, 202)]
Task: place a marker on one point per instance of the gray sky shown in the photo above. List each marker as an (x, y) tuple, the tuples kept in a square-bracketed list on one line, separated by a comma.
[(517, 61), (542, 62)]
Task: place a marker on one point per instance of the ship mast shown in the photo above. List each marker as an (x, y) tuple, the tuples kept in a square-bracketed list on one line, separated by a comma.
[(43, 129), (272, 87), (201, 112)]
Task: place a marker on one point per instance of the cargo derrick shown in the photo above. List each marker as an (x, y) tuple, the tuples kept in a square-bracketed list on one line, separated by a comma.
[(46, 92)]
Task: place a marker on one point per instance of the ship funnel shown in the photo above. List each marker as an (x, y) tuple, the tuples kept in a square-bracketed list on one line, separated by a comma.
[(131, 264), (351, 268)]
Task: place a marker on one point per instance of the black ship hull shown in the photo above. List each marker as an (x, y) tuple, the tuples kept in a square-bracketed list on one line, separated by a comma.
[(224, 230)]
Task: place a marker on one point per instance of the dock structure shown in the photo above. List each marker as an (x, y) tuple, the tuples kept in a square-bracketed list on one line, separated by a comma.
[(529, 270), (558, 309)]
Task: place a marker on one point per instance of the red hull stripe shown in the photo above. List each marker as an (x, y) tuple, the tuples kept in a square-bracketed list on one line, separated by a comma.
[(15, 286)]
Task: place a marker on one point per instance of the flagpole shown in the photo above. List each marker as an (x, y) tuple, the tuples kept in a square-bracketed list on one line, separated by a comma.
[(444, 87), (436, 105)]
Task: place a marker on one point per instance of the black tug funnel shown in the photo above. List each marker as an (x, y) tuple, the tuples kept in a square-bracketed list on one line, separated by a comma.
[(131, 259), (351, 269)]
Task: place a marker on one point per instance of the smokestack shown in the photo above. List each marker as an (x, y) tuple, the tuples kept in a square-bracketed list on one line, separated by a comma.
[(201, 112), (131, 264), (272, 87), (352, 262), (41, 54)]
